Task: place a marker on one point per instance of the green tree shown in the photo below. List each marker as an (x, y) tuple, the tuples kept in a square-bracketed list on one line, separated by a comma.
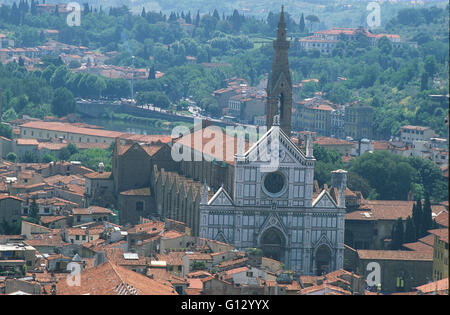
[(397, 235), (417, 217), (302, 24), (63, 102), (5, 131), (34, 211), (430, 65), (11, 157), (427, 219), (410, 231)]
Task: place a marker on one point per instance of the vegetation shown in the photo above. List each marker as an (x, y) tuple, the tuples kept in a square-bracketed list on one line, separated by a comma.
[(384, 175)]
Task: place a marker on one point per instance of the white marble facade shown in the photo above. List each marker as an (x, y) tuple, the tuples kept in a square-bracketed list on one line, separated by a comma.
[(273, 209)]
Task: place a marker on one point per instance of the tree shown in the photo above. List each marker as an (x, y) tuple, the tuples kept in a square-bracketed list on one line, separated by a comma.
[(410, 231), (34, 211), (427, 219), (312, 19), (417, 217), (11, 157), (389, 174), (72, 148), (424, 81), (59, 77), (5, 131), (64, 154), (63, 102), (302, 24), (397, 235), (430, 65)]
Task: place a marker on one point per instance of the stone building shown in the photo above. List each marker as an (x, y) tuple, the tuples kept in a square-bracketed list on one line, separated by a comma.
[(271, 206), (227, 189)]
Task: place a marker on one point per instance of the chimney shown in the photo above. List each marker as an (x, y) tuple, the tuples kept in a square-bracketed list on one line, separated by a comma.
[(339, 181), (101, 167), (309, 146)]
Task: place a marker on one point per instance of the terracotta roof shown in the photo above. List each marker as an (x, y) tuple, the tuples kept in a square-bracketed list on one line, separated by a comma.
[(415, 128), (51, 218), (96, 175), (117, 257), (225, 146), (91, 210), (231, 272), (137, 192), (3, 197), (442, 218), (172, 258), (164, 275), (69, 128), (385, 210), (440, 285), (22, 141), (110, 279), (152, 227), (199, 256), (331, 141), (171, 234), (441, 233), (380, 145), (419, 247), (394, 255)]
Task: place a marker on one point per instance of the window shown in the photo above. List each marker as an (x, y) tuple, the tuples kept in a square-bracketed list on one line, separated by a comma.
[(77, 237), (139, 206)]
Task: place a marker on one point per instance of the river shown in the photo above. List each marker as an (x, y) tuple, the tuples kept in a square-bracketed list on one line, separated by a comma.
[(126, 126)]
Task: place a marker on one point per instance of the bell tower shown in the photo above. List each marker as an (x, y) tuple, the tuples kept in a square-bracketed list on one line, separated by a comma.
[(279, 85)]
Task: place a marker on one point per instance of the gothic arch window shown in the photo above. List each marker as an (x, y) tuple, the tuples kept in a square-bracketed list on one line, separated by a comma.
[(323, 259), (280, 108), (273, 243)]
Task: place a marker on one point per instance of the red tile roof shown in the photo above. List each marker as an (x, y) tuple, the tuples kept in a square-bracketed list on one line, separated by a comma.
[(394, 255), (440, 285), (110, 279), (441, 233)]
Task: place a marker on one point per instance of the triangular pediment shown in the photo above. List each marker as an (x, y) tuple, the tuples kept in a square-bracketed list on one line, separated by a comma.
[(273, 220), (221, 198), (274, 146), (220, 237), (324, 200)]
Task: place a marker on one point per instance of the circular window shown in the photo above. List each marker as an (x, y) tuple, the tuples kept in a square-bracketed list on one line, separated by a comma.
[(274, 183)]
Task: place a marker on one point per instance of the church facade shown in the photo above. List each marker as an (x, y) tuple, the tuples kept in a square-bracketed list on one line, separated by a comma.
[(272, 206), (262, 196)]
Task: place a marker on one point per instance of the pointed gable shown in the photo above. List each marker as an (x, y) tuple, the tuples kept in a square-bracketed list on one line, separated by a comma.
[(324, 200), (221, 198), (292, 152)]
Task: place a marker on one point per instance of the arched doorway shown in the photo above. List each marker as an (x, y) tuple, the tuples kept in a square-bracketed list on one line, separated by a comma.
[(323, 259), (273, 244)]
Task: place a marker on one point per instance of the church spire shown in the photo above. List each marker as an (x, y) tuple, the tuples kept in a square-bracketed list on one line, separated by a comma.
[(282, 26), (279, 86)]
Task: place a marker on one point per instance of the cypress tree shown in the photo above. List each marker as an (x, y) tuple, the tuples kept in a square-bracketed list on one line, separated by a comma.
[(302, 23), (216, 15), (34, 211), (417, 217), (397, 235), (427, 219), (197, 18), (410, 231)]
